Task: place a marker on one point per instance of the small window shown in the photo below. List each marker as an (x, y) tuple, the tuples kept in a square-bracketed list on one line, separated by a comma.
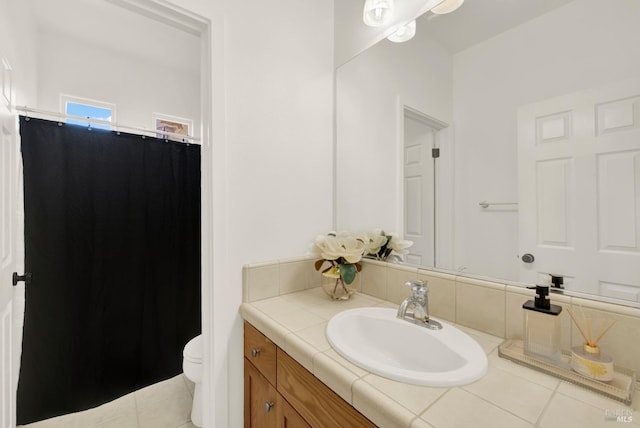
[(172, 125), (90, 109)]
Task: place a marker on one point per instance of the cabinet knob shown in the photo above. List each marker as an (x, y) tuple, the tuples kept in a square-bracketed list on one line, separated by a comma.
[(268, 406), (255, 352)]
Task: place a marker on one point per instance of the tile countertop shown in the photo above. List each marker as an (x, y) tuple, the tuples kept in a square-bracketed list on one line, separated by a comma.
[(509, 395)]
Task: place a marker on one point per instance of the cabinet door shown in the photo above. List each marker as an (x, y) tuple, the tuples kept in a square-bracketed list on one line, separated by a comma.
[(260, 351), (260, 399), (288, 417), (315, 401)]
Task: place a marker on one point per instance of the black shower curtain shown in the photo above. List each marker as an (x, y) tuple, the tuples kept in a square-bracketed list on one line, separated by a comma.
[(112, 239)]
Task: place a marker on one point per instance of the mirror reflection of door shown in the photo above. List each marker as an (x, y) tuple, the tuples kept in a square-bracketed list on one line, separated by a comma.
[(420, 137), (579, 191)]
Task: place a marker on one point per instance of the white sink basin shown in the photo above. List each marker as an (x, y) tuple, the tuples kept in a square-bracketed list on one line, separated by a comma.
[(374, 339)]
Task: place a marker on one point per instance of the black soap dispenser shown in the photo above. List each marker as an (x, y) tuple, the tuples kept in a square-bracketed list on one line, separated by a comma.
[(542, 326)]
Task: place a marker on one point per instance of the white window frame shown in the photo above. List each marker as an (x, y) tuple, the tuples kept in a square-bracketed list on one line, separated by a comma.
[(176, 119), (64, 99)]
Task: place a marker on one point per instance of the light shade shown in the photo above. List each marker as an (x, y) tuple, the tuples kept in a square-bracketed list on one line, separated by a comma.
[(377, 12), (447, 6), (404, 32)]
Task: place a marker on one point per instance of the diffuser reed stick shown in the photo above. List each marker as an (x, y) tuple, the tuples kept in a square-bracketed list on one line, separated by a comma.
[(577, 324), (588, 337), (605, 331)]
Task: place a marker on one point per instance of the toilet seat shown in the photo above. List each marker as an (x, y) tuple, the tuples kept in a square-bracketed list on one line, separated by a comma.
[(193, 350)]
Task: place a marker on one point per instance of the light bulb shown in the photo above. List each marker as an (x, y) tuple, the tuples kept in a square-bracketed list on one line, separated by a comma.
[(447, 6), (377, 12), (404, 32)]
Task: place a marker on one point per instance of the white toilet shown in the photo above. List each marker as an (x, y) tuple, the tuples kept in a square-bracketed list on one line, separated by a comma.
[(192, 367)]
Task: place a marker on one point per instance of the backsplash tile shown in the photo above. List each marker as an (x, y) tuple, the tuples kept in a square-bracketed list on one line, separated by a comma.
[(486, 306), (481, 307), (263, 282), (273, 278), (294, 275), (442, 294), (374, 279), (397, 276)]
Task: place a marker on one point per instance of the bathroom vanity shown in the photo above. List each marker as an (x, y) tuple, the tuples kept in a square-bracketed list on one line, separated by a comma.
[(288, 318), (279, 392)]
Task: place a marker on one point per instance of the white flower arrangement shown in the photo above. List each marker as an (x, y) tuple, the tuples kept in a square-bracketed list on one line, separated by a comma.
[(387, 247), (344, 251)]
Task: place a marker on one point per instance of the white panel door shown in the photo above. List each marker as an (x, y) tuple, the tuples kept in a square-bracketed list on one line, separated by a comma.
[(8, 245), (579, 190), (419, 190)]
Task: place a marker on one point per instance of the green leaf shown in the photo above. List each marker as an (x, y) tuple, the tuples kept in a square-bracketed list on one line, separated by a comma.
[(348, 273)]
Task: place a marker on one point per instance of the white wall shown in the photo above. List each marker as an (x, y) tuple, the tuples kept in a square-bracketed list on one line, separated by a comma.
[(280, 142), (137, 85), (577, 46), (271, 149), (18, 46), (371, 91)]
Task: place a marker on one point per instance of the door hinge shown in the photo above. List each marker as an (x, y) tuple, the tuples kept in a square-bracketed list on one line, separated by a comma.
[(435, 152)]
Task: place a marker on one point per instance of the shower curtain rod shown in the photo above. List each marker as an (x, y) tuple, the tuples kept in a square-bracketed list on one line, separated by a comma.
[(116, 126)]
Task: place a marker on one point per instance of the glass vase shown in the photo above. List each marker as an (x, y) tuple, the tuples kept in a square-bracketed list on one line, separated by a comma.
[(337, 289)]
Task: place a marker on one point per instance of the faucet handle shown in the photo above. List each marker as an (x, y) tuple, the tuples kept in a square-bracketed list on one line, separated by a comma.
[(419, 287)]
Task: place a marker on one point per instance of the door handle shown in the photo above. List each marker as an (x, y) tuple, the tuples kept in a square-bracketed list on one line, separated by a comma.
[(527, 258), (17, 278)]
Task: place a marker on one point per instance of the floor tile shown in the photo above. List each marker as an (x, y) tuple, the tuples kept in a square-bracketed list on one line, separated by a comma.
[(119, 413), (63, 421), (164, 405)]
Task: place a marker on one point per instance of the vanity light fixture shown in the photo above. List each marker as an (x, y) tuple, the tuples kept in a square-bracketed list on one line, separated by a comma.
[(404, 32), (377, 12), (447, 6)]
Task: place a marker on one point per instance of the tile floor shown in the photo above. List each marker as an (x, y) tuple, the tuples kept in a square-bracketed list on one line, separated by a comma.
[(165, 404)]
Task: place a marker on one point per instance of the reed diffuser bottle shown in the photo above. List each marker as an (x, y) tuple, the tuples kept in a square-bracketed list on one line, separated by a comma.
[(542, 327), (587, 358)]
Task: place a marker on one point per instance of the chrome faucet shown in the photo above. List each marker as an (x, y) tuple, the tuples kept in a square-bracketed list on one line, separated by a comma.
[(415, 309)]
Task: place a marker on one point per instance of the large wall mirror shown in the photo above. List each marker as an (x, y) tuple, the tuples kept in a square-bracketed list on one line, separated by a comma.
[(534, 108)]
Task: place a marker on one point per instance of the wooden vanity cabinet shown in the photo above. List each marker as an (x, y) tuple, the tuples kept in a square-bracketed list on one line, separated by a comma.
[(264, 407), (260, 399), (280, 393)]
